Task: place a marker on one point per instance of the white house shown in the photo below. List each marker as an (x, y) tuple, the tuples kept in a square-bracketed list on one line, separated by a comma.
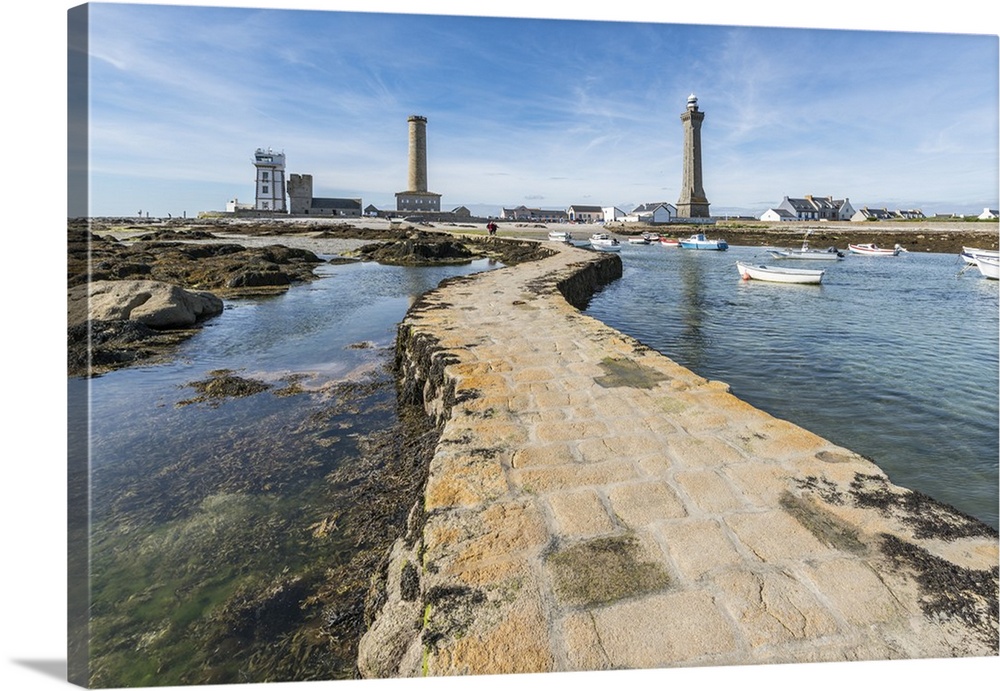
[(234, 205), (778, 215), (989, 215), (613, 213), (812, 208), (585, 214), (867, 214), (654, 212)]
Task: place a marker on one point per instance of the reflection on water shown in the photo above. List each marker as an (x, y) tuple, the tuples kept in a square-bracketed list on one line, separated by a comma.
[(232, 537), (895, 358)]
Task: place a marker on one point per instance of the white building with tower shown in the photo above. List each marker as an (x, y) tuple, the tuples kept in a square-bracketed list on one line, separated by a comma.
[(270, 183)]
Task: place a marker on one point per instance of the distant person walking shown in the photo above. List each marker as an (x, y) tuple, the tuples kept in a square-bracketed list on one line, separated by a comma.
[(492, 228)]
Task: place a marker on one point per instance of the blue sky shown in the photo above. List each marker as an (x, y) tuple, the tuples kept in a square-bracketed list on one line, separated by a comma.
[(541, 112)]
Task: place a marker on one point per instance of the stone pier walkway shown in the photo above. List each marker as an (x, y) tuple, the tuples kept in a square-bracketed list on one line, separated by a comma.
[(593, 505)]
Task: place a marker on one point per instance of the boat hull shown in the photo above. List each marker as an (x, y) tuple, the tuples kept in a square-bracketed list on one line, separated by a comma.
[(779, 275), (989, 267), (700, 242), (871, 250), (810, 255)]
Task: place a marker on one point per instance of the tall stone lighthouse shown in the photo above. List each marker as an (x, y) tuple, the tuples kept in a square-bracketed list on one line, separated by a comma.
[(416, 197), (692, 203)]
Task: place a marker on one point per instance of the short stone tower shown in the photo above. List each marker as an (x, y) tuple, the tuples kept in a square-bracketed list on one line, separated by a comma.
[(270, 183), (416, 197), (692, 203), (300, 193)]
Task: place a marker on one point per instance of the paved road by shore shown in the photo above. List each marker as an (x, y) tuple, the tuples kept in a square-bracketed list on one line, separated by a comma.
[(593, 505)]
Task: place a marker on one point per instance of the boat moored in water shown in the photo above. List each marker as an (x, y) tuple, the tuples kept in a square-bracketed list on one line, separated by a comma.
[(670, 242), (872, 250), (698, 241), (989, 266), (971, 255), (604, 242), (805, 252), (779, 274), (560, 236), (830, 254)]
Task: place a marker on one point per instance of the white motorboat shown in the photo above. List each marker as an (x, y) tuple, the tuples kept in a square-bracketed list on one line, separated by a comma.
[(971, 254), (560, 236), (698, 241), (651, 237), (872, 250), (638, 241), (805, 252), (779, 274), (604, 241), (989, 266)]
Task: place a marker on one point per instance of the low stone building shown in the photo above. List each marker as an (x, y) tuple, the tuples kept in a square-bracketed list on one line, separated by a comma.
[(524, 213), (302, 202)]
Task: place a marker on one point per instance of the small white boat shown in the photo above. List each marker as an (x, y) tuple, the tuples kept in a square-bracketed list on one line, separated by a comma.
[(872, 250), (560, 236), (829, 254), (779, 274), (651, 237), (670, 242), (989, 266), (971, 254), (604, 241), (698, 241)]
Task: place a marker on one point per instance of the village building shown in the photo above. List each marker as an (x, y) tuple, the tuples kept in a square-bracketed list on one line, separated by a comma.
[(303, 203), (989, 215), (811, 208), (524, 213), (654, 212), (234, 205), (778, 215), (613, 213), (585, 214), (868, 214)]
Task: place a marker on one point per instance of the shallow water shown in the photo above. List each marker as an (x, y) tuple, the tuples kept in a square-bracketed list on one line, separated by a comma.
[(205, 514), (893, 357)]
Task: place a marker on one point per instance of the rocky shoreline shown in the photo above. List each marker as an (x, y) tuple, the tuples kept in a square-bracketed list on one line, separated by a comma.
[(135, 292), (183, 255)]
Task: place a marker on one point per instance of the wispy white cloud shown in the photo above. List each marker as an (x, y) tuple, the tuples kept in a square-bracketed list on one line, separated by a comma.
[(561, 110)]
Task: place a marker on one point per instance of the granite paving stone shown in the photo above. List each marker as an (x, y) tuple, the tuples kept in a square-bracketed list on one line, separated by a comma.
[(591, 504)]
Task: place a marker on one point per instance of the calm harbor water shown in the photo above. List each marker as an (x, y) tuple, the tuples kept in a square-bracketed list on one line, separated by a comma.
[(207, 513), (893, 357), (210, 516)]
